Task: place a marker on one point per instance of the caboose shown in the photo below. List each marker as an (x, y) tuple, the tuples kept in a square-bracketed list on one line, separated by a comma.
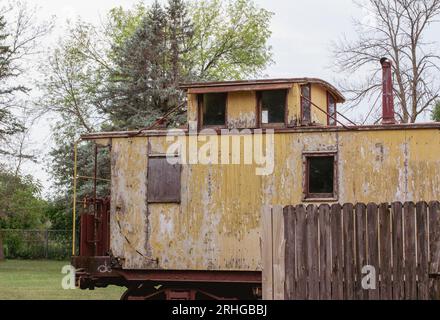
[(183, 217)]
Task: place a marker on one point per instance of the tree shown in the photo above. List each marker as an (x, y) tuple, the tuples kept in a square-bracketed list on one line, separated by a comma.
[(20, 36), (216, 42), (125, 74), (9, 124), (72, 76), (181, 31), (436, 112), (140, 87), (397, 30), (21, 205), (230, 40)]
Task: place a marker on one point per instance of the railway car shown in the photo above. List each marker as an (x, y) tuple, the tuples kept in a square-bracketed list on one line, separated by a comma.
[(182, 220)]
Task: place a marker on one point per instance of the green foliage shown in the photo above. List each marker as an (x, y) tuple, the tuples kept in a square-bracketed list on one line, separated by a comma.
[(122, 24), (126, 75), (74, 75), (436, 112), (37, 244), (57, 215), (21, 205), (201, 40), (139, 88)]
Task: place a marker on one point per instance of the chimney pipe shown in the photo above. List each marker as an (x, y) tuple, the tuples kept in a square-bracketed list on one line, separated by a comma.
[(387, 92)]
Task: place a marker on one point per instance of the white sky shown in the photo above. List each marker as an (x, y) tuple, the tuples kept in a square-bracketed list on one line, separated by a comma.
[(302, 32)]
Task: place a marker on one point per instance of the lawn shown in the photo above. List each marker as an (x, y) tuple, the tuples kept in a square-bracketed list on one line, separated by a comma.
[(41, 280)]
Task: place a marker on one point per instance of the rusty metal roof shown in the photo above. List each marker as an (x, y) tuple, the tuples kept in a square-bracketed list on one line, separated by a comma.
[(263, 84)]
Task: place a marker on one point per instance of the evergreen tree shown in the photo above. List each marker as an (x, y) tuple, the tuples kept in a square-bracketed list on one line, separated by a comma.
[(180, 31), (149, 68)]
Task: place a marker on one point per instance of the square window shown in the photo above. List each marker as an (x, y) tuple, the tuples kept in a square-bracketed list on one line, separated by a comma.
[(213, 109), (320, 176), (163, 181), (273, 107)]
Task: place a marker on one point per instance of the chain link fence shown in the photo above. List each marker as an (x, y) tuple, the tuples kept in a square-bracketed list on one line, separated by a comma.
[(37, 244)]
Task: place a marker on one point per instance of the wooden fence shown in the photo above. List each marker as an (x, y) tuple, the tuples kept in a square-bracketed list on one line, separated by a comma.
[(320, 252)]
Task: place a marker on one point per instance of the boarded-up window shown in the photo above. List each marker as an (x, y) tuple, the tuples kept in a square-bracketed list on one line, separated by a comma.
[(306, 112), (163, 180)]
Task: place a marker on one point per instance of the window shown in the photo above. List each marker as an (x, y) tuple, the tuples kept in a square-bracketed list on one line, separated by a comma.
[(331, 109), (163, 181), (320, 177), (213, 109), (273, 107), (306, 96)]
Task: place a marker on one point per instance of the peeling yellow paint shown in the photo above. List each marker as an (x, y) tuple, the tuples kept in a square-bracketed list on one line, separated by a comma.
[(319, 97), (217, 224), (242, 107), (242, 110)]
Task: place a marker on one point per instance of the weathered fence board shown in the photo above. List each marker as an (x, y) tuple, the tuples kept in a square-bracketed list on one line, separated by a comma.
[(385, 252), (372, 253), (323, 252), (409, 217), (336, 252), (312, 257), (289, 263), (273, 251), (279, 252), (301, 255), (398, 253), (349, 252), (361, 248), (325, 261), (434, 249), (422, 252)]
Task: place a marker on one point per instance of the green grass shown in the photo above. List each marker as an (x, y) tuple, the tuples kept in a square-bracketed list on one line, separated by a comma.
[(41, 280)]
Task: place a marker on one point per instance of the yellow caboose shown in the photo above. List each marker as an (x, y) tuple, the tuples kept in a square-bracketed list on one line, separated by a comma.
[(183, 219)]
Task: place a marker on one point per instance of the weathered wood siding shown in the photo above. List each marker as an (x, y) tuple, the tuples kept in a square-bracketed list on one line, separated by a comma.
[(319, 97), (217, 224), (242, 110), (242, 107)]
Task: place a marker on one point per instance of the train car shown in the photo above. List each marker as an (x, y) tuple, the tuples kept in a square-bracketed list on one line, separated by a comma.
[(183, 217)]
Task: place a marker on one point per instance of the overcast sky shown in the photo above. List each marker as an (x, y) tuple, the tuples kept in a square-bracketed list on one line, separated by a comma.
[(302, 32)]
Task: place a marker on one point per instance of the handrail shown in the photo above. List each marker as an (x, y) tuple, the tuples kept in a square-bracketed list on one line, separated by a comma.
[(331, 116), (92, 178), (159, 121)]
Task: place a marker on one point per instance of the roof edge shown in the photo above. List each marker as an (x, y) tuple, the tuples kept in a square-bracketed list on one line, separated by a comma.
[(197, 85), (179, 132)]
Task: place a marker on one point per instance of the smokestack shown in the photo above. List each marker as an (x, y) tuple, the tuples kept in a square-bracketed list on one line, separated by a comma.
[(387, 92)]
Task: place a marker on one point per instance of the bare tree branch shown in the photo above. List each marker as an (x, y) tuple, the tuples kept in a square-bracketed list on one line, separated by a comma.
[(395, 29)]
